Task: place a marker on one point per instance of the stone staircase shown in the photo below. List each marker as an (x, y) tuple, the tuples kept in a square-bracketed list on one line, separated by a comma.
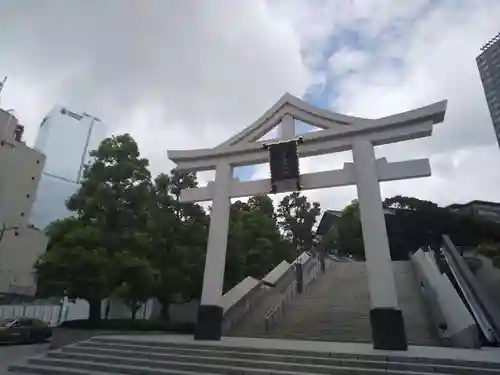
[(169, 355), (252, 325), (337, 306)]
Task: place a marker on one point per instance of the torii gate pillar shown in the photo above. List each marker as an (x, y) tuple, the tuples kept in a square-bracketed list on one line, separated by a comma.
[(210, 313), (388, 330), (339, 133)]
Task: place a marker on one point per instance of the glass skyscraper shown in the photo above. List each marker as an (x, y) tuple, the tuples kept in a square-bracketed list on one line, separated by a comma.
[(66, 138), (488, 63)]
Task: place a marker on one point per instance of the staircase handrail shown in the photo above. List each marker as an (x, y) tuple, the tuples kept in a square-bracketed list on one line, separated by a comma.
[(313, 275), (274, 314)]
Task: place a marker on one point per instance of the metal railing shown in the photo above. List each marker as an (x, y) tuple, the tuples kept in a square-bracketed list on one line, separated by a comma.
[(274, 314)]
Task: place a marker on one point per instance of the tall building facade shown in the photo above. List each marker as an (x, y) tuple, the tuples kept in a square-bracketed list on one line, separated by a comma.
[(66, 138), (488, 63), (20, 244)]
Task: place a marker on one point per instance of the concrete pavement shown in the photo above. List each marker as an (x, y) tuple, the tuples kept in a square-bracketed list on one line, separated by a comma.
[(13, 353)]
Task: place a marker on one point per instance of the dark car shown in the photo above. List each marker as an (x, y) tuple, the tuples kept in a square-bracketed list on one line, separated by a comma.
[(24, 330)]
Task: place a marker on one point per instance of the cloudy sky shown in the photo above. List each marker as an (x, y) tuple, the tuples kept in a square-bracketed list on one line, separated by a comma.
[(181, 74)]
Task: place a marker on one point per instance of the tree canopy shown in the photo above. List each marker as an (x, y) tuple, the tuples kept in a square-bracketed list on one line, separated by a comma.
[(296, 217), (413, 223), (132, 237)]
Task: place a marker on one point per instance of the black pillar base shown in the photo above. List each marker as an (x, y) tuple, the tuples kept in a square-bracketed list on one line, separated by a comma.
[(388, 329), (209, 326), (299, 273)]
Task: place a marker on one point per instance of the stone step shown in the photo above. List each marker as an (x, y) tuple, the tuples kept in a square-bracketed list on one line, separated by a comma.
[(337, 308), (272, 347), (234, 347), (257, 359), (97, 365), (252, 325), (74, 368), (167, 356), (223, 365), (110, 365), (50, 370)]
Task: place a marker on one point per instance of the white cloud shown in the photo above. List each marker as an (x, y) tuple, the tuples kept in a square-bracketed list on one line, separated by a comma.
[(184, 74), (347, 60), (429, 59), (177, 74)]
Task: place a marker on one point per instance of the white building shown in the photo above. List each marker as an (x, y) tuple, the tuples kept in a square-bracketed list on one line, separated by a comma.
[(21, 244), (66, 138)]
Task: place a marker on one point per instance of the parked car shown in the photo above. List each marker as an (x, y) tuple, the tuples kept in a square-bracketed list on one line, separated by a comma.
[(24, 330)]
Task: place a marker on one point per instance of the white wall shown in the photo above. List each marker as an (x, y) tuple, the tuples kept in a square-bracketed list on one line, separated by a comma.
[(20, 184), (240, 290), (18, 253), (49, 314), (276, 273), (20, 171), (119, 310)]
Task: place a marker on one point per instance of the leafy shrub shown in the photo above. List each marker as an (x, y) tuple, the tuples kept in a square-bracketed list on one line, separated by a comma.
[(129, 325), (489, 250)]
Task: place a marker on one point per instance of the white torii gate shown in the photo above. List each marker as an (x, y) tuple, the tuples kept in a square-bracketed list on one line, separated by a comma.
[(340, 133)]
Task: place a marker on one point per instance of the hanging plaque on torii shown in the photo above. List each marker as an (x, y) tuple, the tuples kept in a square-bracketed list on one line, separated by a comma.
[(284, 165)]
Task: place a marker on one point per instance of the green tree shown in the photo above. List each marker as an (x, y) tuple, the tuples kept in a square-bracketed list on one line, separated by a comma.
[(179, 234), (416, 223), (76, 272), (329, 241), (255, 245), (75, 265), (297, 216), (136, 281), (115, 193), (112, 212), (491, 251), (349, 232), (263, 204)]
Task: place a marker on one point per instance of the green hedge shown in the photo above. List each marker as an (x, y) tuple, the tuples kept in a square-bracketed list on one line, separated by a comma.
[(129, 325)]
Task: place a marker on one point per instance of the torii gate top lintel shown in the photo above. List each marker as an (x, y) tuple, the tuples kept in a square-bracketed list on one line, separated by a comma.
[(338, 131), (297, 108)]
